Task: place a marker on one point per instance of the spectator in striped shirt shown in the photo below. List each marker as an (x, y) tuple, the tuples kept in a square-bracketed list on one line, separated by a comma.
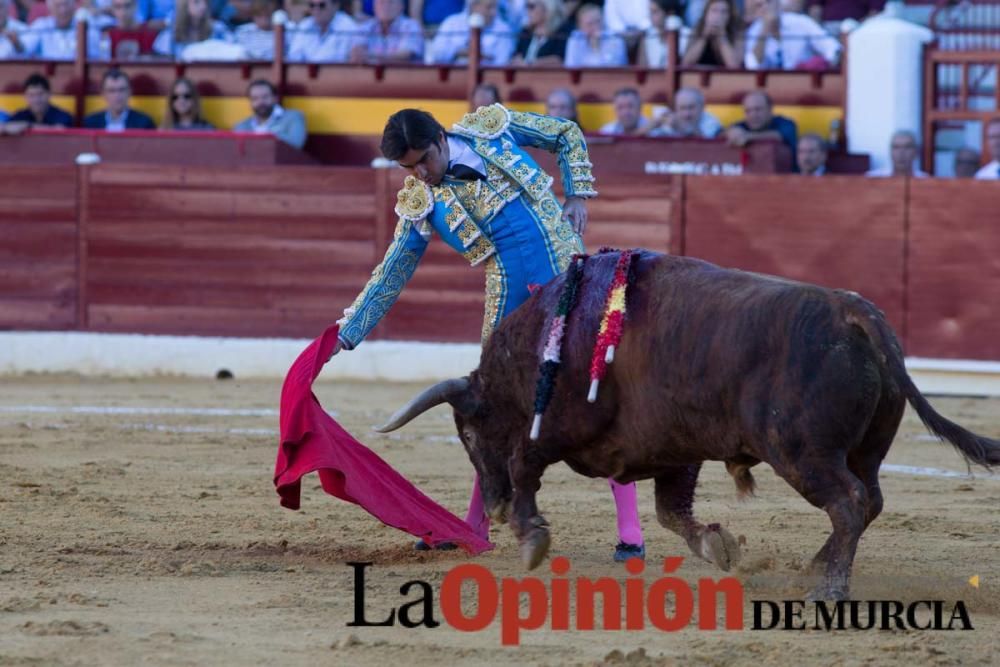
[(257, 37), (389, 37)]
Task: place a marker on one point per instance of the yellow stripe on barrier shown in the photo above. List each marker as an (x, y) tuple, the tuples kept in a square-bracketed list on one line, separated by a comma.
[(360, 115)]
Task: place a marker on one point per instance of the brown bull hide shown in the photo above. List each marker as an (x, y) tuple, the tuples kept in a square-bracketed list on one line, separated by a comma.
[(714, 365)]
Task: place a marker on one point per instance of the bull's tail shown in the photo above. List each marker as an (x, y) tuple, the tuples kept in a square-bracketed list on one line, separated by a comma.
[(973, 448)]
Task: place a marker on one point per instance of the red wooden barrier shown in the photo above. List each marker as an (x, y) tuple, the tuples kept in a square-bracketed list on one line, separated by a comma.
[(838, 231), (38, 248), (953, 269)]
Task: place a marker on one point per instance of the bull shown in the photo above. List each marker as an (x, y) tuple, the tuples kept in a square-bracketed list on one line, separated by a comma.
[(714, 365)]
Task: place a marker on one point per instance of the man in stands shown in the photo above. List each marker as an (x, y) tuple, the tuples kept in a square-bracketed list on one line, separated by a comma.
[(11, 31), (561, 104), (629, 120), (39, 112), (966, 163), (389, 37), (451, 43), (53, 37), (992, 169), (903, 150), (127, 35), (327, 36), (812, 154), (780, 39), (688, 119), (760, 122), (118, 116), (270, 118), (522, 237)]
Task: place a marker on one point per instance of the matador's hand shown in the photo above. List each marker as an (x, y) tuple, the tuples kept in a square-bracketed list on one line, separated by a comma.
[(575, 210)]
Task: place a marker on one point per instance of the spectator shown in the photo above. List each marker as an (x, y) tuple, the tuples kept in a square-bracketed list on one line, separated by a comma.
[(903, 149), (11, 31), (451, 44), (541, 42), (561, 104), (831, 13), (689, 118), (257, 37), (966, 163), (717, 38), (761, 123), (484, 95), (590, 46), (812, 154), (184, 108), (390, 36), (786, 40), (629, 120), (325, 37), (128, 37), (627, 18), (297, 11), (655, 50), (434, 12), (270, 118), (53, 37), (992, 169), (40, 112), (118, 116), (192, 24)]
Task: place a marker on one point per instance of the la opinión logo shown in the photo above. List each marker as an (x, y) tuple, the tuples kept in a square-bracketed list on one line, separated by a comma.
[(549, 605)]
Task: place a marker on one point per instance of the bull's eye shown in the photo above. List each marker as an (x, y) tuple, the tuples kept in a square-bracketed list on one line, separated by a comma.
[(469, 436)]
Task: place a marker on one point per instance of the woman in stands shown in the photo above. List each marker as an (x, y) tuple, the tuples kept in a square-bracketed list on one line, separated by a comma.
[(184, 108), (655, 49), (717, 39), (541, 42), (591, 46), (192, 24)]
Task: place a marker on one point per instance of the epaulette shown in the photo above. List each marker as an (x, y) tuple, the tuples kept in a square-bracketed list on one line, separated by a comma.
[(484, 123), (415, 201)]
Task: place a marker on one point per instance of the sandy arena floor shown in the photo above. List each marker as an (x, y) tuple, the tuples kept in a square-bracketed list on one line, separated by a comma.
[(151, 534)]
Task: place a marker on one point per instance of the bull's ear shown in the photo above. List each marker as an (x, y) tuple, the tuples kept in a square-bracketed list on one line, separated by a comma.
[(442, 392)]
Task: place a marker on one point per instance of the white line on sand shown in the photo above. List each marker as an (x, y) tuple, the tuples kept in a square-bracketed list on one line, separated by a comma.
[(139, 410), (934, 472)]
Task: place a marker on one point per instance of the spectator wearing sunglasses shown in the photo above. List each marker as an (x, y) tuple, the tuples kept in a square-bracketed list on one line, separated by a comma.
[(327, 36), (184, 108)]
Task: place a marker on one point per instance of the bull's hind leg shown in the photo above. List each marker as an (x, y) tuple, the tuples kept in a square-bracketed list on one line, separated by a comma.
[(530, 527), (831, 486), (674, 500)]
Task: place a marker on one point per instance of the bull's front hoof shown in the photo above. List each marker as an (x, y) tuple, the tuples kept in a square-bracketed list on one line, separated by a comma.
[(534, 547), (720, 547)]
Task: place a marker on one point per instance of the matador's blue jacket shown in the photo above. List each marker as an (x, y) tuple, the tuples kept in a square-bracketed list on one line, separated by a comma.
[(510, 222)]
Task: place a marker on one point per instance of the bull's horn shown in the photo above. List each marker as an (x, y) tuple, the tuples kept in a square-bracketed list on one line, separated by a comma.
[(442, 392)]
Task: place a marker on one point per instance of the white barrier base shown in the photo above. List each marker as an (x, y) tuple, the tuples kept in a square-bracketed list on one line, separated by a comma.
[(135, 355)]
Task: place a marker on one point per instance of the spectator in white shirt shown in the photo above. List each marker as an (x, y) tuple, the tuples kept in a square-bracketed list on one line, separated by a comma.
[(53, 37), (10, 33), (992, 169), (389, 37), (325, 37), (903, 150), (688, 119), (629, 120), (192, 24), (623, 17), (451, 44), (590, 46), (786, 40), (257, 37), (654, 52)]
